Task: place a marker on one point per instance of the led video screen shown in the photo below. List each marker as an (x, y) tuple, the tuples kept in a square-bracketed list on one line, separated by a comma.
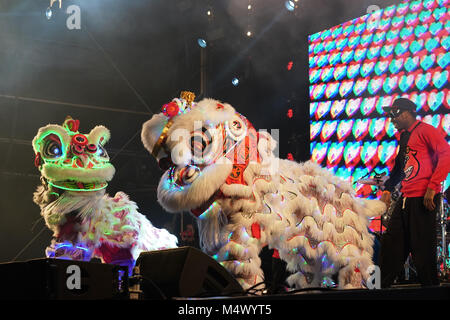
[(360, 66)]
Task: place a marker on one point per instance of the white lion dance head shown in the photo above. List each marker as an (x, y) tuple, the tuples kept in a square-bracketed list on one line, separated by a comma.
[(224, 172)]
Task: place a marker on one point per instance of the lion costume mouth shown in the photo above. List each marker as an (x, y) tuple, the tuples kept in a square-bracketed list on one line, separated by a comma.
[(78, 186), (77, 179)]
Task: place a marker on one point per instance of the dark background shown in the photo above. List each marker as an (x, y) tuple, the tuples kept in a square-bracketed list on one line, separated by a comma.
[(128, 59)]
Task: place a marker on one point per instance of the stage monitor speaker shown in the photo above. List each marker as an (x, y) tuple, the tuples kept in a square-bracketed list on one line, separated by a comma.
[(57, 279), (183, 272)]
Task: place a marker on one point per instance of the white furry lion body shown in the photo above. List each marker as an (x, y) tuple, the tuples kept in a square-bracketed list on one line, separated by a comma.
[(102, 226), (245, 202)]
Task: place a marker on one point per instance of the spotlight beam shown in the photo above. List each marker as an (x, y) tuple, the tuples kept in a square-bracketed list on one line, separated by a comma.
[(252, 43)]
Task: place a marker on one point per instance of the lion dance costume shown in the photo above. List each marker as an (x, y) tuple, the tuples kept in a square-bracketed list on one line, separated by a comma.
[(87, 222), (244, 197)]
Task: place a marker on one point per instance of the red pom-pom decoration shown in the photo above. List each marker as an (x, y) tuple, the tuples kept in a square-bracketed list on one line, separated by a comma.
[(171, 109), (77, 149), (92, 148), (79, 139), (73, 125)]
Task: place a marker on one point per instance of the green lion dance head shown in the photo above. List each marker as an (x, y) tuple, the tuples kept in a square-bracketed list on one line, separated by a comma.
[(70, 160)]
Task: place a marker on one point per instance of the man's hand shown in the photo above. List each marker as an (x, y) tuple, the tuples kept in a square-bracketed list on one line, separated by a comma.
[(428, 199), (386, 198)]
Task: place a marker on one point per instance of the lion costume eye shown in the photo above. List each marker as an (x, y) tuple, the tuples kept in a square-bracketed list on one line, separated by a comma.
[(101, 152), (52, 147), (236, 128), (206, 144), (201, 142)]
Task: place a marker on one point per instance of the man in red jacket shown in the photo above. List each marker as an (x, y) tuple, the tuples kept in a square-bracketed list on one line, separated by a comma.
[(422, 163)]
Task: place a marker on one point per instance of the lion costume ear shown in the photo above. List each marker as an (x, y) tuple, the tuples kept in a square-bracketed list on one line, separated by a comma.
[(99, 135), (266, 143), (48, 130), (151, 133)]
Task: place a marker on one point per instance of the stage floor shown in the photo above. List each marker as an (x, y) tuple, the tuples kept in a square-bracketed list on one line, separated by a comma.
[(398, 292)]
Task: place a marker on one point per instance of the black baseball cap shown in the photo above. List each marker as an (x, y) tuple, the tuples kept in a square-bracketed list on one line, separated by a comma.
[(400, 105)]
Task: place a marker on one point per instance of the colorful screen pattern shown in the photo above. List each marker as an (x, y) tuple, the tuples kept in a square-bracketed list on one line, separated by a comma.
[(360, 66)]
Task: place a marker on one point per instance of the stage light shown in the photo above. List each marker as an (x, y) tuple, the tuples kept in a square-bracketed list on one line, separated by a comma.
[(235, 82), (290, 65), (208, 12), (290, 113), (249, 7), (48, 13), (249, 33), (202, 43), (289, 5)]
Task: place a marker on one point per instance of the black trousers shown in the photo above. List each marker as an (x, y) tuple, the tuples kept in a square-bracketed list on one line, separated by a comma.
[(411, 229)]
